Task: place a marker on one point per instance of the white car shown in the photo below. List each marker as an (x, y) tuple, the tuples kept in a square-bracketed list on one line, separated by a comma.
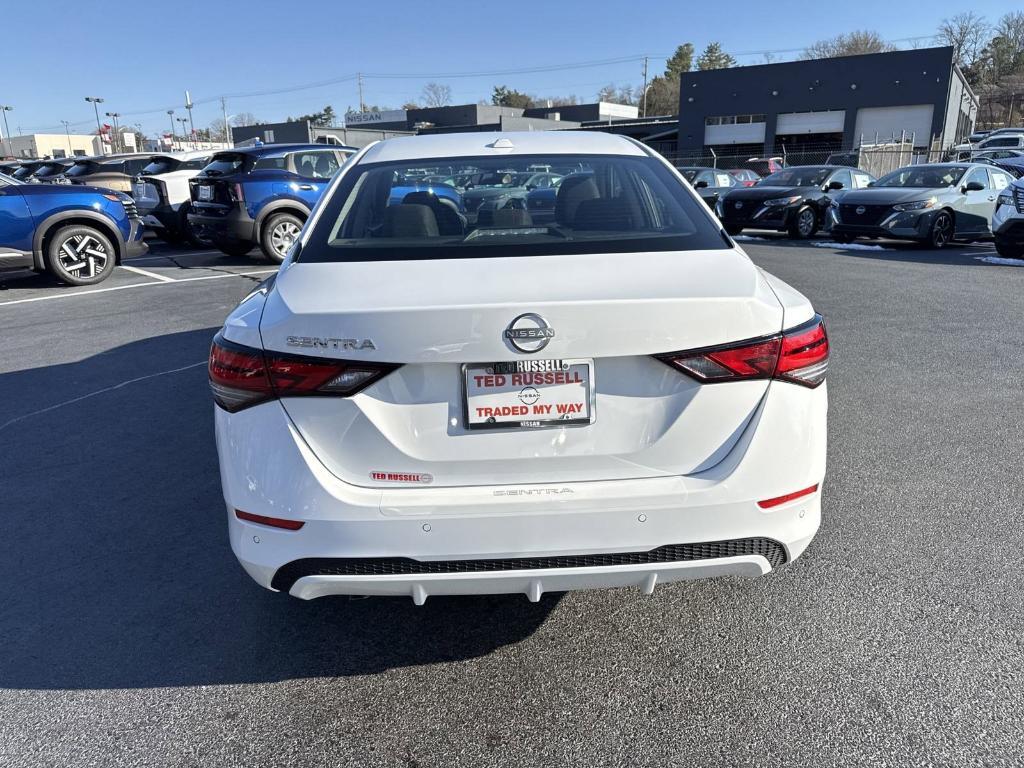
[(419, 406), (1008, 221), (162, 193)]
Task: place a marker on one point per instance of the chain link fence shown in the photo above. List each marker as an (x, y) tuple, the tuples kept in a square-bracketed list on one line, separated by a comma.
[(875, 158)]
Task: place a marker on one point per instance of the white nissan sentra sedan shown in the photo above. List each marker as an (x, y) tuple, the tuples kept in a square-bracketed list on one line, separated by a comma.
[(432, 398)]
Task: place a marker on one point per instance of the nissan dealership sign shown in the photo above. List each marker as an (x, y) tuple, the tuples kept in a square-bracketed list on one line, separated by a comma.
[(368, 118)]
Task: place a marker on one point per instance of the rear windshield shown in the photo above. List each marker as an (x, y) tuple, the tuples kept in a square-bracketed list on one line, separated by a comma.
[(81, 169), (923, 176), (797, 177), (49, 169), (161, 165), (604, 204), (24, 171), (223, 164)]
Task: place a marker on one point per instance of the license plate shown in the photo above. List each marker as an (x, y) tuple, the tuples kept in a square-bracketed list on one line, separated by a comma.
[(529, 394), (206, 193)]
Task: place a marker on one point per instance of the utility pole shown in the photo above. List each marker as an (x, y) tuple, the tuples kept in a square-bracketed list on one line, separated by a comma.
[(116, 138), (645, 88), (359, 79), (7, 131), (67, 130), (227, 126), (96, 100), (170, 114), (188, 106)]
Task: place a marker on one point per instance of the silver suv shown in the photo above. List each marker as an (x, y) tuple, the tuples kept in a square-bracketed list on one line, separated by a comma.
[(1008, 221)]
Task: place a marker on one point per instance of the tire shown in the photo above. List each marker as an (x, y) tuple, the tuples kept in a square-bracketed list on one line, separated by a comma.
[(80, 255), (233, 247), (805, 224), (1010, 250), (278, 234), (941, 233), (733, 229)]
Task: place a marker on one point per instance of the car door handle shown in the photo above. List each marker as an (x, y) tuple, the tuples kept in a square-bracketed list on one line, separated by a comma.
[(305, 186)]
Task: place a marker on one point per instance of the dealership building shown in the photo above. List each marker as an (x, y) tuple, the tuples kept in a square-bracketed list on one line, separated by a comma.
[(917, 96)]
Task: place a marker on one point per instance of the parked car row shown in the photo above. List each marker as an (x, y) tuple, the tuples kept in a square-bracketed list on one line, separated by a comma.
[(935, 203)]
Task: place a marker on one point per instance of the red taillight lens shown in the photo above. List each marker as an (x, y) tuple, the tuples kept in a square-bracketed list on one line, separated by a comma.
[(799, 355), (235, 190), (804, 355), (241, 376)]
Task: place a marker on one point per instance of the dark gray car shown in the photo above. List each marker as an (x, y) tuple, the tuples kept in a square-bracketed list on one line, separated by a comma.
[(933, 203)]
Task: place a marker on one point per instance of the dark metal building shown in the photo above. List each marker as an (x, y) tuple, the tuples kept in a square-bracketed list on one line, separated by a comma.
[(830, 104)]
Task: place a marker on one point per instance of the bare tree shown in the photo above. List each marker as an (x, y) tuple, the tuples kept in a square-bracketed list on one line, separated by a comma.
[(968, 33), (436, 95), (1011, 29), (851, 44)]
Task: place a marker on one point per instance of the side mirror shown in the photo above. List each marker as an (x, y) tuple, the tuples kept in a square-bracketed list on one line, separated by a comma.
[(700, 185), (974, 186), (871, 183), (835, 185)]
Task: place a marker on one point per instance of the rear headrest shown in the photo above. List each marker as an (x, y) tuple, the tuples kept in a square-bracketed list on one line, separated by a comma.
[(449, 220), (409, 220), (512, 217), (573, 191), (608, 215)]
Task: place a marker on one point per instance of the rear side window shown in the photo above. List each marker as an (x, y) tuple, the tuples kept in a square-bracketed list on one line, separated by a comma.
[(316, 165), (605, 204)]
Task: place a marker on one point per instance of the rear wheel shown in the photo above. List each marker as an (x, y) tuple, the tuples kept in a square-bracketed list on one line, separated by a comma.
[(233, 247), (279, 233), (733, 229), (80, 255), (1010, 250), (941, 233), (805, 223)]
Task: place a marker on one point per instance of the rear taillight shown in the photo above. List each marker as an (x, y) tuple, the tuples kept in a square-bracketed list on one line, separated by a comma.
[(242, 376), (236, 193), (799, 355)]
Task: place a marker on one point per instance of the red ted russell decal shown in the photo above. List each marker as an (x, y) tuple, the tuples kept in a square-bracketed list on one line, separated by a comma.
[(402, 477), (528, 379)]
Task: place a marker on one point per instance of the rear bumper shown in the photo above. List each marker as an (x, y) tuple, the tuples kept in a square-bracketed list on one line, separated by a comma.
[(234, 226), (549, 537)]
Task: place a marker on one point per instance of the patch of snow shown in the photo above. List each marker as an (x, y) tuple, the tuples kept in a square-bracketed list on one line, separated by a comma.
[(1001, 260), (848, 246), (748, 237)]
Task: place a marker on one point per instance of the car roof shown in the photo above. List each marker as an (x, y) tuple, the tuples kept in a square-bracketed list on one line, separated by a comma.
[(271, 150), (518, 143), (191, 154)]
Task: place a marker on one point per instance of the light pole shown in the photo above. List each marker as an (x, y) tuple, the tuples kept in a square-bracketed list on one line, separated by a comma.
[(183, 121), (188, 106), (117, 135), (7, 131), (67, 130), (95, 101), (170, 114)]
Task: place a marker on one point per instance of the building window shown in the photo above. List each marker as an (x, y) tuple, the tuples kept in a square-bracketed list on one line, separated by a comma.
[(58, 154), (734, 119)]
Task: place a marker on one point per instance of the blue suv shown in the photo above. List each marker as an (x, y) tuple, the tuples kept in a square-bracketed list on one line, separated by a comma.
[(261, 195), (77, 234)]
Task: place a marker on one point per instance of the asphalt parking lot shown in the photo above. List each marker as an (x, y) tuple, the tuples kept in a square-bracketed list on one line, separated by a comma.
[(132, 637)]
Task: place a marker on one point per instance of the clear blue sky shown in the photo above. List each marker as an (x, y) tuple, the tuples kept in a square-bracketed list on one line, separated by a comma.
[(142, 56)]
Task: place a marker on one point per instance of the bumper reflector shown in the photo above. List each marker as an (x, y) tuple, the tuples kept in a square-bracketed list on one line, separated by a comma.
[(769, 503), (273, 522)]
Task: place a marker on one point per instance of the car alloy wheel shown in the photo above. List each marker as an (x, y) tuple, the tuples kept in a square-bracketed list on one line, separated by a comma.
[(283, 236), (942, 230), (805, 222), (83, 256)]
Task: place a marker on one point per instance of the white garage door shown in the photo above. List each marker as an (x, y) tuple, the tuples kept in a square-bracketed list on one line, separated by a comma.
[(737, 133), (889, 122), (831, 121)]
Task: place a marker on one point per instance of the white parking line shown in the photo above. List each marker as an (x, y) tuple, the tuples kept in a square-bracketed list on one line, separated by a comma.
[(154, 275), (135, 285)]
